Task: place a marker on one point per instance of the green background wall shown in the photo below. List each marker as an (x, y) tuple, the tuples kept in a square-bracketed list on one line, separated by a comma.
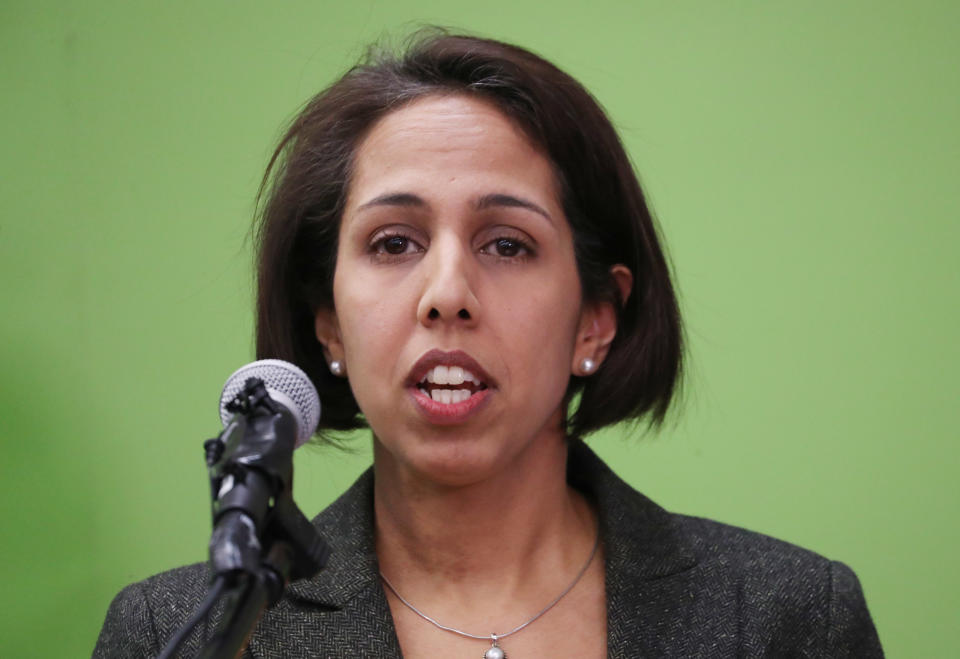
[(802, 158)]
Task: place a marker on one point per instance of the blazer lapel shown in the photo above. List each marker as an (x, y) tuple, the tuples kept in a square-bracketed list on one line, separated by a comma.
[(657, 604), (344, 606)]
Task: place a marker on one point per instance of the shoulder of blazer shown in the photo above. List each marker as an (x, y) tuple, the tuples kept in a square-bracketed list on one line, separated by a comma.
[(145, 614), (690, 586)]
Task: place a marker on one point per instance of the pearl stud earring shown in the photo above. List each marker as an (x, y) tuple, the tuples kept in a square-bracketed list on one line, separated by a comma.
[(587, 366), (336, 367)]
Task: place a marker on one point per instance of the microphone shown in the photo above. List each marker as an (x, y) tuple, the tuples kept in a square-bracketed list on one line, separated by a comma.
[(268, 408), (260, 539), (286, 384)]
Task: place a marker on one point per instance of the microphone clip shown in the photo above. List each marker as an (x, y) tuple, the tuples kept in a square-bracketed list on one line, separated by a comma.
[(253, 393)]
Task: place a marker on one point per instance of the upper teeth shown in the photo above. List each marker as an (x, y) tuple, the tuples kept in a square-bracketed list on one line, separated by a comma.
[(450, 375)]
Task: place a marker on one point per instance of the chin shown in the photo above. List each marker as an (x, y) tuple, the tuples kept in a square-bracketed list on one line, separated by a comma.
[(457, 466), (444, 461), (460, 457)]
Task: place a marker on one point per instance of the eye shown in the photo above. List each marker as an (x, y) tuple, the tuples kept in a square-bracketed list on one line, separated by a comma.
[(392, 245), (507, 247), (395, 244)]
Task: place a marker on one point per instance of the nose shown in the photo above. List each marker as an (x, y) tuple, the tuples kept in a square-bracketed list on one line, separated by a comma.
[(448, 289)]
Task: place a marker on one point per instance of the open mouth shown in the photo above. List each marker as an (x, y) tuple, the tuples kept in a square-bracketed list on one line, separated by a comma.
[(450, 384)]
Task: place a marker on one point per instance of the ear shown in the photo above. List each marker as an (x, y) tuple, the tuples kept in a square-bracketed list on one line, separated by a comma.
[(327, 329), (598, 323)]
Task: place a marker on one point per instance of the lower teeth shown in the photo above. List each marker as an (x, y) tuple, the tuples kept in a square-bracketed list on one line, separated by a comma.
[(449, 396)]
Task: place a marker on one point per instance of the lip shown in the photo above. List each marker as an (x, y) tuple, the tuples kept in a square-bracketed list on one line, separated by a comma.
[(452, 413)]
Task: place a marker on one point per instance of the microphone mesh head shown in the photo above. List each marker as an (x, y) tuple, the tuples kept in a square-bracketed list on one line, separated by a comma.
[(286, 384)]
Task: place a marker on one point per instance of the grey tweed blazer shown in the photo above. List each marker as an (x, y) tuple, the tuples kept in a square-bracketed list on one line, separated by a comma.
[(676, 586)]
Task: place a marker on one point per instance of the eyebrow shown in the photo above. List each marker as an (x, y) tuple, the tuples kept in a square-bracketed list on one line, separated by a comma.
[(395, 199), (494, 200), (509, 201)]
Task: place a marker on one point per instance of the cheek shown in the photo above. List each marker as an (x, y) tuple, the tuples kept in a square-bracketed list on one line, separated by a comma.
[(371, 329), (540, 333), (370, 345), (375, 322)]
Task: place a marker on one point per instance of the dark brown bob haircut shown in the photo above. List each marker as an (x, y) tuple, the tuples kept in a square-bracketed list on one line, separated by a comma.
[(305, 187)]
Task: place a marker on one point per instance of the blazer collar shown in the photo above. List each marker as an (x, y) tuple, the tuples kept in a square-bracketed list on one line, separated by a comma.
[(640, 539), (347, 526)]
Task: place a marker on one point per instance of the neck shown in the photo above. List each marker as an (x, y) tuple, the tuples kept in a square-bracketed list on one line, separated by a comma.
[(506, 538)]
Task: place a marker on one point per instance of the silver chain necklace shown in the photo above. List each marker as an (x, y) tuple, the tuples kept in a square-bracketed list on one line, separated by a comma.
[(495, 651)]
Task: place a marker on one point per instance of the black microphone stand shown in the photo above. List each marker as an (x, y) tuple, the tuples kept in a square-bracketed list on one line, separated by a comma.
[(260, 540)]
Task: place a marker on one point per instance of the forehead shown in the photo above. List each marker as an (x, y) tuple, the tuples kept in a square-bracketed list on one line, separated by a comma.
[(461, 141)]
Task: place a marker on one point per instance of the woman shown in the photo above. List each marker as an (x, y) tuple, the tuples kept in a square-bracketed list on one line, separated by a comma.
[(456, 250)]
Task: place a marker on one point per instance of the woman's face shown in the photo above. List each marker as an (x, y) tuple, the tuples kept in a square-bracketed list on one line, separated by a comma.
[(458, 310)]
